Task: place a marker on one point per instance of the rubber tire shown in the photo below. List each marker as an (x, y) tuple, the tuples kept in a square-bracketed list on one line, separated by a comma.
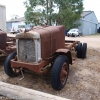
[(75, 35), (79, 50), (7, 65), (56, 70), (84, 50), (72, 35)]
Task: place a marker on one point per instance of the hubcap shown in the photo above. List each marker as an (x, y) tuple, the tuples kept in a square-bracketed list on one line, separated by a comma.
[(64, 73)]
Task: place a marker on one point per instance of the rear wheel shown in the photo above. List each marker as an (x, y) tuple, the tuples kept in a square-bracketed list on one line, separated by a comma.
[(79, 50), (59, 73), (84, 49), (7, 66)]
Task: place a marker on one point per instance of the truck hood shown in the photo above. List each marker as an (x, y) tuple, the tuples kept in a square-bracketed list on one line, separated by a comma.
[(29, 34)]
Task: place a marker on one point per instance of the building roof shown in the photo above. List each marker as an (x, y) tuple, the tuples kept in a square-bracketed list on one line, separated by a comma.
[(85, 13), (17, 20), (2, 5), (99, 21)]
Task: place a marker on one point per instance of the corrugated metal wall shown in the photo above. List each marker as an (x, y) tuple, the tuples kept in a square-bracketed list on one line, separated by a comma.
[(3, 17), (8, 26), (91, 17), (15, 25), (98, 25), (88, 27)]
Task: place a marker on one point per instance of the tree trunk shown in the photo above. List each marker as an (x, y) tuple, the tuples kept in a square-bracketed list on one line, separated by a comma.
[(21, 93), (51, 4), (47, 10)]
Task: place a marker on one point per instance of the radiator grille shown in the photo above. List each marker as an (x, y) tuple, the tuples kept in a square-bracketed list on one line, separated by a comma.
[(26, 50)]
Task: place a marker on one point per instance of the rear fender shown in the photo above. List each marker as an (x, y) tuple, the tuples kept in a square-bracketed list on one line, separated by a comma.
[(65, 52)]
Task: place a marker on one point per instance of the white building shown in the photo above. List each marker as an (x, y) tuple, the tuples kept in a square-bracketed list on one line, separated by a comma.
[(15, 24), (88, 22), (2, 17)]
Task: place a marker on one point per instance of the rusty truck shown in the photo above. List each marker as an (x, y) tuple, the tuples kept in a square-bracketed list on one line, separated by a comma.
[(7, 44), (44, 50)]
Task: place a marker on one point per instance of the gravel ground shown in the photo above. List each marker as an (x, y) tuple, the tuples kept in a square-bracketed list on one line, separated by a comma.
[(84, 77)]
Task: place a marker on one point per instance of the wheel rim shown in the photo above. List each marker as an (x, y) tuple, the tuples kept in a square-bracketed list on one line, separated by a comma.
[(64, 73)]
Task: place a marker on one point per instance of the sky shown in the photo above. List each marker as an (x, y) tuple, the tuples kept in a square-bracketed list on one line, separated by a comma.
[(16, 7)]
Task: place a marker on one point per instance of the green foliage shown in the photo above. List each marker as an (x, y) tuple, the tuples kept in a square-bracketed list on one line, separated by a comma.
[(43, 11), (69, 11)]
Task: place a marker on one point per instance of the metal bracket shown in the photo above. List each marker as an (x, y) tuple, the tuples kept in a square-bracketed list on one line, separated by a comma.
[(22, 74)]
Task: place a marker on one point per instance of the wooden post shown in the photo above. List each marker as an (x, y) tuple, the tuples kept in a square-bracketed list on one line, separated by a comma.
[(18, 92)]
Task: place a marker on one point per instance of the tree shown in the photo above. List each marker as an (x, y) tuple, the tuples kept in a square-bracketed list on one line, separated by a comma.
[(68, 11), (38, 11)]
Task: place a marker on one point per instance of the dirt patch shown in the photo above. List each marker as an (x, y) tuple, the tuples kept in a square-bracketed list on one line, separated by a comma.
[(83, 82), (93, 41)]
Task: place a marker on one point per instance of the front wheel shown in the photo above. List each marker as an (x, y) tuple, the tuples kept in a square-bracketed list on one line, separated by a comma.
[(68, 35), (75, 35), (7, 66), (59, 73)]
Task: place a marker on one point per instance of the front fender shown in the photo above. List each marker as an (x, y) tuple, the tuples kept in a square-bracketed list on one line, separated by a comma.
[(65, 52)]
